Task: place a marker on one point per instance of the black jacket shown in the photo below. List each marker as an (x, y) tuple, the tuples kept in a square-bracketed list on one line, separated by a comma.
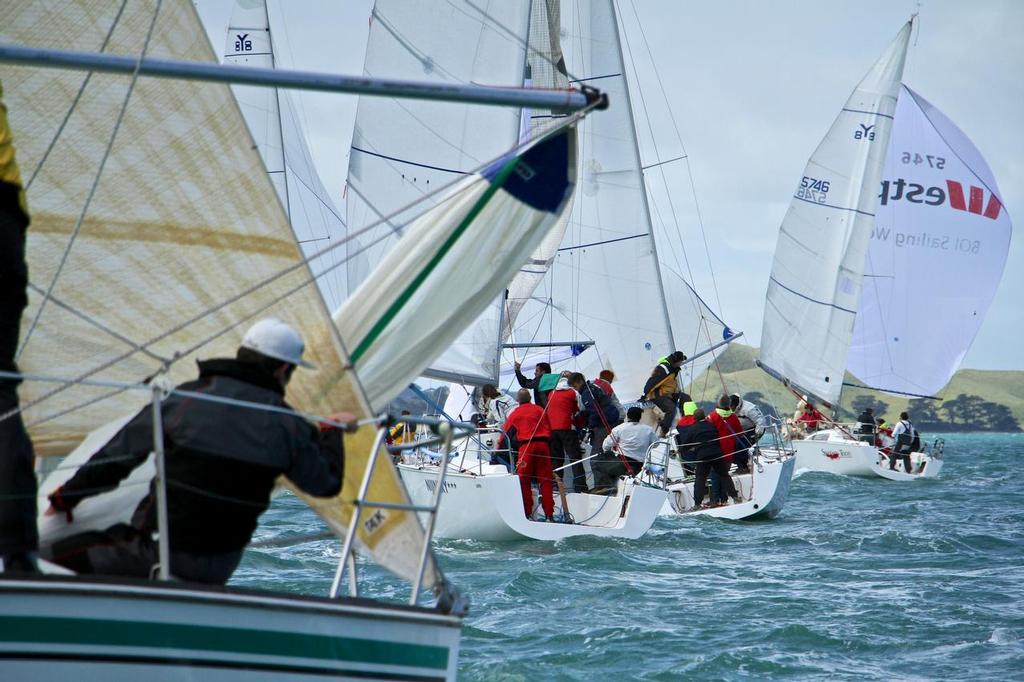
[(539, 397), (702, 437), (866, 423), (221, 460)]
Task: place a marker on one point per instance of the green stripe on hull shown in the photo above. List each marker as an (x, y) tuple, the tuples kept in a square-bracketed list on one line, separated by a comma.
[(118, 633)]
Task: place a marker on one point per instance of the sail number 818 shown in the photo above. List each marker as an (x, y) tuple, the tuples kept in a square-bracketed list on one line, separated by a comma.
[(812, 189)]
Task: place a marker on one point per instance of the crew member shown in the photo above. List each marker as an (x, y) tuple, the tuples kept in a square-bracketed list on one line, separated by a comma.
[(687, 453), (905, 436), (532, 430), (624, 451), (810, 419), (662, 388), (540, 369), (19, 539), (866, 425), (564, 404), (703, 437), (221, 464), (730, 433)]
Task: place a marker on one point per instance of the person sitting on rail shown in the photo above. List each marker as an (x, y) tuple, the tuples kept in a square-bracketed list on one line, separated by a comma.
[(811, 419), (662, 389)]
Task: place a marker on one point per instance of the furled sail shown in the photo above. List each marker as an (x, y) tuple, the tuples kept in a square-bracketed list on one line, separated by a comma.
[(403, 151), (273, 120), (938, 248), (815, 284), (182, 246)]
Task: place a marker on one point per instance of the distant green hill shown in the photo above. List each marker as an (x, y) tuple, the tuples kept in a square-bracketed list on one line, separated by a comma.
[(974, 399)]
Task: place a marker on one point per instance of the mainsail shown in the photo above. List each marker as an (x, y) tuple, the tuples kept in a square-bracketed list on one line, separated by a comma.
[(178, 245), (815, 286), (938, 248), (403, 151), (273, 120)]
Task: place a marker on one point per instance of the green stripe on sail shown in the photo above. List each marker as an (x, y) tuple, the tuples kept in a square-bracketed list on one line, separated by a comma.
[(227, 640), (396, 307)]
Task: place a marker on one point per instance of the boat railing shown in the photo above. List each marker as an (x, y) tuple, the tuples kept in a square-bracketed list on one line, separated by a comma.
[(159, 389)]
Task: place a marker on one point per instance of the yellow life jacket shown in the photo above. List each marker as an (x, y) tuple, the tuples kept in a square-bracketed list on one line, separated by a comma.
[(9, 172)]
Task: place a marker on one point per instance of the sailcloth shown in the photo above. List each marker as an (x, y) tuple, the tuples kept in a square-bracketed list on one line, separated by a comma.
[(937, 252), (405, 150), (273, 120), (182, 246), (815, 285)]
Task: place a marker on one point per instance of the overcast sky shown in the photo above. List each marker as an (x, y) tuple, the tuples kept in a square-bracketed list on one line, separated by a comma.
[(753, 87)]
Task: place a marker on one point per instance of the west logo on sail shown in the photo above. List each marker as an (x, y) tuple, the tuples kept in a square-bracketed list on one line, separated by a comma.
[(916, 193)]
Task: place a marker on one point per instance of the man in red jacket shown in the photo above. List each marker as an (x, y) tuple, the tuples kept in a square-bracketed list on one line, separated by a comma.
[(528, 425), (563, 405), (729, 429)]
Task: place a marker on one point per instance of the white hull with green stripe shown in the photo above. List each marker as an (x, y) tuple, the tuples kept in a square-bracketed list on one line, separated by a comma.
[(75, 629)]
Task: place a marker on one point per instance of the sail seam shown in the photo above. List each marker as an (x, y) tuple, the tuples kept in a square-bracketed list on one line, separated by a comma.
[(812, 300), (838, 208), (870, 113), (411, 163)]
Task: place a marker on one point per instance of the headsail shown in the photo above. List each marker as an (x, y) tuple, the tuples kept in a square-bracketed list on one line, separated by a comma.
[(937, 253), (815, 283), (182, 246)]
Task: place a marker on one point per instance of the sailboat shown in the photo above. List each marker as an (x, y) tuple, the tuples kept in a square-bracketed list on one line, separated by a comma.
[(591, 297), (157, 237), (894, 205)]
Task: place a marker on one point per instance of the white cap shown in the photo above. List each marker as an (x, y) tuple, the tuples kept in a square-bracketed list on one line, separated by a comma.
[(275, 339)]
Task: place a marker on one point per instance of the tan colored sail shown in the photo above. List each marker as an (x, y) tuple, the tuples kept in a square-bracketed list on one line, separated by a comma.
[(182, 246)]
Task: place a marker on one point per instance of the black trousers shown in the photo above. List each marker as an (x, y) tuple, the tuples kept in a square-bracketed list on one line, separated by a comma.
[(905, 456), (667, 405), (123, 550), (565, 449), (608, 467), (18, 532), (705, 467)]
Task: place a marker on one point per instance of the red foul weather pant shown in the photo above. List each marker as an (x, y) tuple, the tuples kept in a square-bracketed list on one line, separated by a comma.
[(535, 462)]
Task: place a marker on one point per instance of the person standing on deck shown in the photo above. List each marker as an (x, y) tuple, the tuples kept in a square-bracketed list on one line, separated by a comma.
[(730, 431), (703, 438), (866, 425), (222, 462), (539, 397), (598, 411), (906, 437), (19, 538), (662, 389), (687, 454), (530, 426), (564, 404)]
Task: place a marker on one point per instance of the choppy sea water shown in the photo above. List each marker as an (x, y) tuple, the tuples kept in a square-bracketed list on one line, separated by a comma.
[(857, 579)]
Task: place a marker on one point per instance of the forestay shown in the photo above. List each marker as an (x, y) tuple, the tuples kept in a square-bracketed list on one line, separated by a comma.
[(273, 120), (182, 247), (937, 253), (815, 284)]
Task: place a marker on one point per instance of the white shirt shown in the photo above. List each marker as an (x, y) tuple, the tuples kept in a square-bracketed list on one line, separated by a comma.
[(633, 437), (753, 413)]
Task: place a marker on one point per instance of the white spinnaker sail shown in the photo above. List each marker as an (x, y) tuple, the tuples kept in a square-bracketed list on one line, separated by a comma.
[(273, 120), (938, 249), (452, 262), (403, 150), (815, 284), (182, 247)]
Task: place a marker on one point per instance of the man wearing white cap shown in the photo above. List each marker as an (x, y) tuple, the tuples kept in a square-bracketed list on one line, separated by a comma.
[(221, 463)]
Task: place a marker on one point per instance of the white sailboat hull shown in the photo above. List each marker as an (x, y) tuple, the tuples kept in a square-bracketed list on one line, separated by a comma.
[(76, 629), (489, 506), (764, 490), (834, 452)]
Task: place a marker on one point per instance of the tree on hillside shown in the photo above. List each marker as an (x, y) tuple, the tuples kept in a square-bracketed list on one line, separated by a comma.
[(925, 414), (863, 402)]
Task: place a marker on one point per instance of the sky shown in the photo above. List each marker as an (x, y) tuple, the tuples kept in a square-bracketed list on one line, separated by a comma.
[(746, 90)]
